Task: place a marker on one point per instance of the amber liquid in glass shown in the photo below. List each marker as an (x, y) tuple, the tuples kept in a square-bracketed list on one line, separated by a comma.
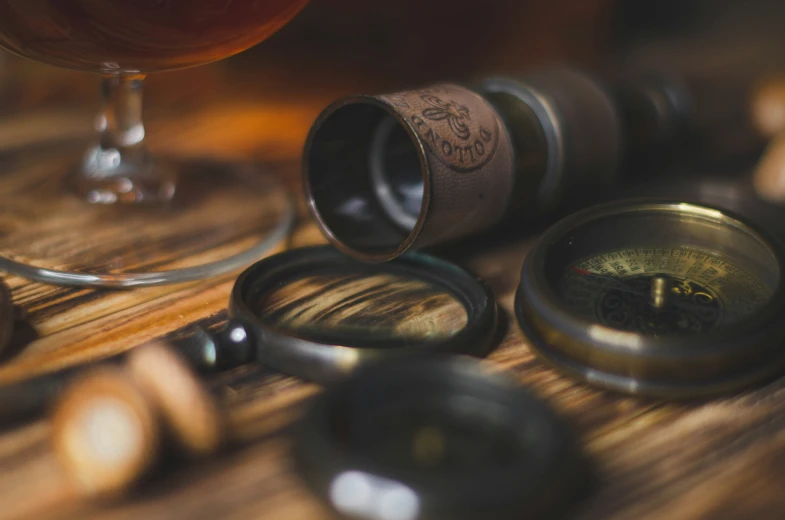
[(138, 35)]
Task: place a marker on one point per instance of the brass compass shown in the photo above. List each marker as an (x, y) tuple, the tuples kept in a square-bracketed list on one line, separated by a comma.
[(659, 298)]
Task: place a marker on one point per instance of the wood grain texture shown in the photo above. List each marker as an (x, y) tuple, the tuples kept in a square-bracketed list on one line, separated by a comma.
[(723, 459)]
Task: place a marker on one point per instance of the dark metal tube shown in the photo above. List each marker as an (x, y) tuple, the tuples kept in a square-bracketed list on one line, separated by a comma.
[(582, 130), (384, 174)]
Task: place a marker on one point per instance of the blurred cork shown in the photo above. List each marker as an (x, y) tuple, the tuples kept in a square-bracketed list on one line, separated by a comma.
[(189, 413), (768, 116), (105, 433), (109, 427), (768, 107), (769, 176)]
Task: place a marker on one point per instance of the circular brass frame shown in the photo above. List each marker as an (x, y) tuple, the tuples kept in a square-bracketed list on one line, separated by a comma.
[(735, 357), (326, 357)]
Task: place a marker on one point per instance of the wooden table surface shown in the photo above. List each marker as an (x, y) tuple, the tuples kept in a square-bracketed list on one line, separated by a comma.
[(655, 460)]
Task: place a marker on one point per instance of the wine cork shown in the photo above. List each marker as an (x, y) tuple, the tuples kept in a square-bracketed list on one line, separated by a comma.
[(188, 411), (105, 433), (769, 175), (768, 107)]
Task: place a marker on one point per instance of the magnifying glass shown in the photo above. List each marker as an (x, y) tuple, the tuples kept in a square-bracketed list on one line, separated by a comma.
[(317, 314)]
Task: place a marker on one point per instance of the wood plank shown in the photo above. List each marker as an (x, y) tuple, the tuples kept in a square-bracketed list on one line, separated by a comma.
[(719, 459)]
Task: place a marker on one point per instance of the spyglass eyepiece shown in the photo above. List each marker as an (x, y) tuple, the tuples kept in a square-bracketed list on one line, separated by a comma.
[(384, 174)]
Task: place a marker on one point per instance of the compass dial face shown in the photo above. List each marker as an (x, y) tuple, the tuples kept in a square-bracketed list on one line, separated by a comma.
[(666, 299), (662, 290)]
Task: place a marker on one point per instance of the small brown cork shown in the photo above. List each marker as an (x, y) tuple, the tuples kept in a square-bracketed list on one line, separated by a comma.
[(188, 411), (768, 107), (769, 175), (105, 433)]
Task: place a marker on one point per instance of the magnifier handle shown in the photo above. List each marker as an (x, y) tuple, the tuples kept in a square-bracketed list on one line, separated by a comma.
[(208, 352), (30, 398)]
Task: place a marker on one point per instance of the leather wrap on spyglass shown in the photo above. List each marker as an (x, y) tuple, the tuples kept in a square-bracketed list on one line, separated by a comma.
[(441, 438), (329, 354), (453, 136)]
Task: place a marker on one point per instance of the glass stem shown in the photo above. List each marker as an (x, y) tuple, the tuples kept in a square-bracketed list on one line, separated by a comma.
[(118, 169), (120, 122)]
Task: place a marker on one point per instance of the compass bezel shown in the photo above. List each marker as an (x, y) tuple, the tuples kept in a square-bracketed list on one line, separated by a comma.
[(718, 361)]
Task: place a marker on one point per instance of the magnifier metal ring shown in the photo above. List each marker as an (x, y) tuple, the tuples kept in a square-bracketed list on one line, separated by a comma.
[(327, 356), (440, 438)]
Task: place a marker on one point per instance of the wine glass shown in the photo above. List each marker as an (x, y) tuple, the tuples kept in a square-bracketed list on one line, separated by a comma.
[(122, 217)]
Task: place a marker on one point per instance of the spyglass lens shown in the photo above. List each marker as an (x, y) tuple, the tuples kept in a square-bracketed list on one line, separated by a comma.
[(396, 175)]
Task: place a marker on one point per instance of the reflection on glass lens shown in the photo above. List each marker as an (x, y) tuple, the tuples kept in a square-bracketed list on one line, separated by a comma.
[(377, 306), (395, 174), (436, 439)]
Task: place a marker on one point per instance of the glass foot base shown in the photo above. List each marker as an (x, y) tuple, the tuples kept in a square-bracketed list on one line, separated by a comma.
[(222, 218), (112, 184)]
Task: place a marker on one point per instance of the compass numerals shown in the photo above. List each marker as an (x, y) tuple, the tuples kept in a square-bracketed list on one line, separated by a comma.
[(706, 290)]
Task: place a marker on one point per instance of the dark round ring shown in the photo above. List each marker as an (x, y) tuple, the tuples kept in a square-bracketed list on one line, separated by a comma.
[(327, 357), (505, 455)]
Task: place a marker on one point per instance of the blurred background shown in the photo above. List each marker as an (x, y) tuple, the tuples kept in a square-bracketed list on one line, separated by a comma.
[(265, 99), (340, 46)]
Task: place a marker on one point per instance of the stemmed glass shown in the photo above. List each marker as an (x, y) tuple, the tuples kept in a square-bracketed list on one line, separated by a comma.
[(123, 217)]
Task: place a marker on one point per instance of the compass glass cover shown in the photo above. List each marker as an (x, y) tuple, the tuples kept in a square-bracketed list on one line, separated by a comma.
[(663, 272)]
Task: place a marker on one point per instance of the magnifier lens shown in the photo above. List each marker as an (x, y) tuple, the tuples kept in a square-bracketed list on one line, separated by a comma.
[(319, 314), (440, 437), (395, 172), (358, 306), (453, 440)]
